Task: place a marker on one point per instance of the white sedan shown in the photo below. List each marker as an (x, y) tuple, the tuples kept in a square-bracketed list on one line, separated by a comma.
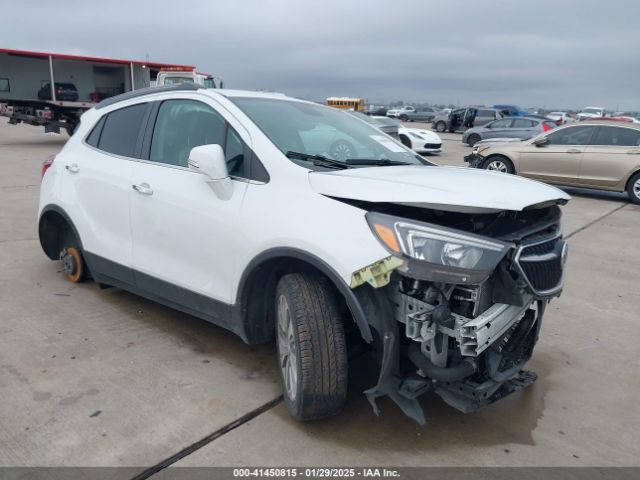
[(420, 141)]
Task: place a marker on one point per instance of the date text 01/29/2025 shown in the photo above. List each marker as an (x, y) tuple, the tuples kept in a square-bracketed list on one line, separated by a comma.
[(322, 472)]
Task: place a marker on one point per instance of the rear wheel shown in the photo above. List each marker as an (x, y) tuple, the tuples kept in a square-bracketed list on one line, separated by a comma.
[(473, 139), (311, 346), (404, 118), (499, 163), (73, 264), (441, 127), (633, 188)]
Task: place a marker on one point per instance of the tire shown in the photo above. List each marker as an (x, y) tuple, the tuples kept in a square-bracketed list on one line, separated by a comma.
[(312, 349), (633, 188), (404, 118), (441, 127), (342, 150), (499, 163), (405, 141), (473, 139)]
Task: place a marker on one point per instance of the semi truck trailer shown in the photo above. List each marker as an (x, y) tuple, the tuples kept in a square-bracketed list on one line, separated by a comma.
[(53, 90)]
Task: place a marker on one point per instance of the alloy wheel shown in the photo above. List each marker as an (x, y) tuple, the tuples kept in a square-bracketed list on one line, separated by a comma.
[(287, 350), (636, 188), (498, 166)]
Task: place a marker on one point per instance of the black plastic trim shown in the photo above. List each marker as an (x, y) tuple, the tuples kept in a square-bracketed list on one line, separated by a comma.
[(106, 272), (352, 301), (63, 214), (182, 87)]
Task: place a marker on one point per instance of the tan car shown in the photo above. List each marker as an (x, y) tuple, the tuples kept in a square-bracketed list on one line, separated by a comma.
[(593, 154)]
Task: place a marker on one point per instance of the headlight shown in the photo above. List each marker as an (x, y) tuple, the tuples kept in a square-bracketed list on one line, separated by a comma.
[(442, 254), (480, 149)]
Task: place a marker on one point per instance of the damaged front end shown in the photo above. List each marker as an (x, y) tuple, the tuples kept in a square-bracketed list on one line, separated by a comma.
[(461, 313)]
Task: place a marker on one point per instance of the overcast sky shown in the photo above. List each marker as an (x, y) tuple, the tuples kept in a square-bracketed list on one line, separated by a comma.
[(553, 53)]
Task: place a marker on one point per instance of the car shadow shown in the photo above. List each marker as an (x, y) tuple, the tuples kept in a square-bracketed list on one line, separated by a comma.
[(510, 420)]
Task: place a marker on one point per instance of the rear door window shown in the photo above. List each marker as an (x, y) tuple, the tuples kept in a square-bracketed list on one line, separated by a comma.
[(504, 123), (523, 123), (120, 131), (617, 137)]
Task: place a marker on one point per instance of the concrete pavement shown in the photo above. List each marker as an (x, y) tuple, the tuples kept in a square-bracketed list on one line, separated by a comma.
[(101, 377)]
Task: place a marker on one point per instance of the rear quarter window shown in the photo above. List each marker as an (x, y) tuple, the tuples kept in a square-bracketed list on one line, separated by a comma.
[(120, 130)]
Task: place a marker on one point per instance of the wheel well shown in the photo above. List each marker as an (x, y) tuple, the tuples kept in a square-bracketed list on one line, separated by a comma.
[(257, 292), (54, 230), (626, 187)]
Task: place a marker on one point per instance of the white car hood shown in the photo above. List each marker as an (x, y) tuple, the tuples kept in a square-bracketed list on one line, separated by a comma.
[(431, 137), (457, 189)]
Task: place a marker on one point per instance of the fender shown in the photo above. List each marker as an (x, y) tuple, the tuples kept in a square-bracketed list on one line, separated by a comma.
[(352, 301), (42, 234)]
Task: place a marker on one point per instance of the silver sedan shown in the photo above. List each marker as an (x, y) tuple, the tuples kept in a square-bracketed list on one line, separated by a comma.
[(512, 127)]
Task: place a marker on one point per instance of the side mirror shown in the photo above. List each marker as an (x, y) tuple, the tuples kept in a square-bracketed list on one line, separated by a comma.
[(210, 161), (541, 142)]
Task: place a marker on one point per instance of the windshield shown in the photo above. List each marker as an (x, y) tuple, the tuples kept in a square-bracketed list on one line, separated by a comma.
[(592, 110), (176, 80), (310, 129)]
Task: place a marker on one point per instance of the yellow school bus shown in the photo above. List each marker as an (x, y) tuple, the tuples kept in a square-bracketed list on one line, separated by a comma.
[(356, 104)]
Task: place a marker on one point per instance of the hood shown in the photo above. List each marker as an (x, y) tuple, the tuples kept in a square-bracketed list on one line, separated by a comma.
[(489, 141), (457, 189), (432, 137)]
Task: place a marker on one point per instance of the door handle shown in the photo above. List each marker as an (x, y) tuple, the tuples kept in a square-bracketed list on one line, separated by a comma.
[(73, 168), (143, 189), (574, 150)]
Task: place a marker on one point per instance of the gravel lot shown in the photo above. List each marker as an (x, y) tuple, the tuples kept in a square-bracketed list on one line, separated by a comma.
[(101, 377)]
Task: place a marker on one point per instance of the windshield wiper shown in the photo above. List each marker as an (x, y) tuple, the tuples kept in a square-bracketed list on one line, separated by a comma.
[(374, 161), (317, 160)]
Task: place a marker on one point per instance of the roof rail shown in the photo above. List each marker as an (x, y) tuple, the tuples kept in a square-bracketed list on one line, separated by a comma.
[(145, 91)]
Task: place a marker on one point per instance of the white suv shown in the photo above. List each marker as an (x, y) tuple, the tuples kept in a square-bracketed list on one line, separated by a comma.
[(231, 206)]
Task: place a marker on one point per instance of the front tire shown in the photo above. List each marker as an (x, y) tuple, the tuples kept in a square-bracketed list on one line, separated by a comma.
[(633, 188), (498, 163), (312, 349), (473, 139), (441, 127)]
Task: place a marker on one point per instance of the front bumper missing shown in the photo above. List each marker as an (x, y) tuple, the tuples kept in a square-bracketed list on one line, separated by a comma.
[(500, 341), (474, 160)]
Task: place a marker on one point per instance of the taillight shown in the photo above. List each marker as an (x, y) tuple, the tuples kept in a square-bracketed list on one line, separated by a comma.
[(46, 164), (545, 127)]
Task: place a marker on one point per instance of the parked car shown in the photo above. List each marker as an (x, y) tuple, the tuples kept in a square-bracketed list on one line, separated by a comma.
[(590, 112), (462, 118), (421, 114), (211, 202), (507, 127), (385, 124), (613, 119), (511, 110), (594, 154), (420, 141), (64, 92), (560, 117), (377, 110), (396, 112)]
